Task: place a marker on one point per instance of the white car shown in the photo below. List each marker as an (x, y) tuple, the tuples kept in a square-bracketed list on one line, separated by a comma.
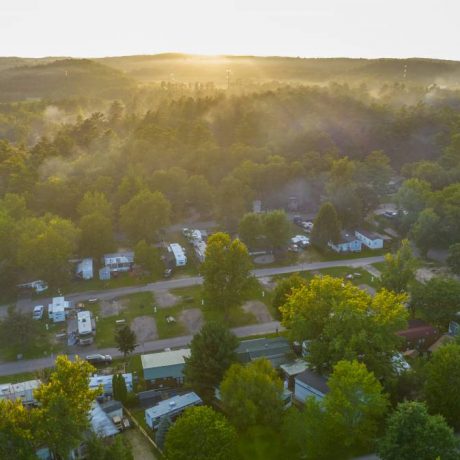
[(38, 312)]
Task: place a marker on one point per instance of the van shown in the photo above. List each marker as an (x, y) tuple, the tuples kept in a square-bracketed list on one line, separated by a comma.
[(38, 312)]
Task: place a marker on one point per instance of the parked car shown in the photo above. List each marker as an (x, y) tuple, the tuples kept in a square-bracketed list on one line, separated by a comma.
[(38, 312), (390, 214), (93, 300), (99, 359)]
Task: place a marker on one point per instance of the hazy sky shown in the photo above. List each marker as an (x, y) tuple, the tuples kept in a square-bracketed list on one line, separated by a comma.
[(356, 28)]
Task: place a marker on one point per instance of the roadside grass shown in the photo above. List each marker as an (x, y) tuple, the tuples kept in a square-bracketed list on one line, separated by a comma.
[(379, 265), (15, 378)]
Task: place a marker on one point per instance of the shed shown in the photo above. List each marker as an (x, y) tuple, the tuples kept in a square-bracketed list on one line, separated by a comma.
[(275, 350), (104, 273), (85, 269), (310, 384), (170, 408), (166, 365)]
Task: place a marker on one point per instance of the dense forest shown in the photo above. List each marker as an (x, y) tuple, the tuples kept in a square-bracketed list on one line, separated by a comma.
[(87, 147)]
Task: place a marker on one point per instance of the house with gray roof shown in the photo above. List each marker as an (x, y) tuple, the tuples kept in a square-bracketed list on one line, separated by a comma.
[(310, 384), (275, 350)]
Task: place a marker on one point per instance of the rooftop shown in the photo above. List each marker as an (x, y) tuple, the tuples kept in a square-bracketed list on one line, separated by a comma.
[(165, 358), (101, 424), (368, 234), (173, 404), (346, 237), (314, 380), (294, 368), (417, 329), (248, 350)]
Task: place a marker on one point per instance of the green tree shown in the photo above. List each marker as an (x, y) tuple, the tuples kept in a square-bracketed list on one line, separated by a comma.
[(200, 194), (342, 321), (413, 197), (399, 270), (96, 235), (251, 230), (212, 351), (117, 448), (326, 226), (252, 394), (341, 425), (355, 407), (120, 392), (144, 215), (20, 332), (201, 433), (377, 171), (231, 202), (412, 433), (18, 428), (442, 380), (438, 300), (226, 272), (276, 229), (126, 339), (284, 289), (64, 403), (95, 202), (425, 231), (148, 257), (45, 246), (453, 259)]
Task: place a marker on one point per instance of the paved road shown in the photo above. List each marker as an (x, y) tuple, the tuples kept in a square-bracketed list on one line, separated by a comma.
[(265, 328), (108, 294), (16, 367)]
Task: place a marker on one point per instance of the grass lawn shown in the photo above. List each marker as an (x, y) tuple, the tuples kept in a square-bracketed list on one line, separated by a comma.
[(139, 304), (379, 265), (166, 330), (191, 298), (16, 378), (44, 345)]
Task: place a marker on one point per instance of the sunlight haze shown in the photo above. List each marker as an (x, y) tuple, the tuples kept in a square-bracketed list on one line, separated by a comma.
[(356, 28)]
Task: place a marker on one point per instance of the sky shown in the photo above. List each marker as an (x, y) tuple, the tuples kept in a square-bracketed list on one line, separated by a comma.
[(306, 28)]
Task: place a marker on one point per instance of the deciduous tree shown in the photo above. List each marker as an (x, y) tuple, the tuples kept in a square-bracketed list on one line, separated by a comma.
[(201, 433), (126, 340), (442, 380), (212, 353), (284, 289), (326, 226), (96, 235), (412, 433), (252, 394), (226, 271)]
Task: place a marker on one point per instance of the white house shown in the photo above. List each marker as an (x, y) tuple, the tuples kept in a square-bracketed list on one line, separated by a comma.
[(106, 382), (179, 254), (57, 309), (22, 390), (85, 269), (310, 384), (369, 239), (119, 261), (347, 243)]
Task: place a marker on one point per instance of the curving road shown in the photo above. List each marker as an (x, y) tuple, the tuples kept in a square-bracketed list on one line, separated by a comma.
[(16, 367)]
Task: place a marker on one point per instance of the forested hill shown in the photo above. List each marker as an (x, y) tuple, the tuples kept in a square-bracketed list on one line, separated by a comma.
[(60, 79), (187, 68)]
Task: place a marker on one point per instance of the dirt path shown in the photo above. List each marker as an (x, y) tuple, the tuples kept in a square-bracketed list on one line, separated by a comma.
[(259, 310), (145, 328), (112, 307), (139, 446), (165, 299), (192, 319)]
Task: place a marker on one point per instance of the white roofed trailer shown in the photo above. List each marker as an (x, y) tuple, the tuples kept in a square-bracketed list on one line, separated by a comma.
[(179, 254), (85, 328)]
